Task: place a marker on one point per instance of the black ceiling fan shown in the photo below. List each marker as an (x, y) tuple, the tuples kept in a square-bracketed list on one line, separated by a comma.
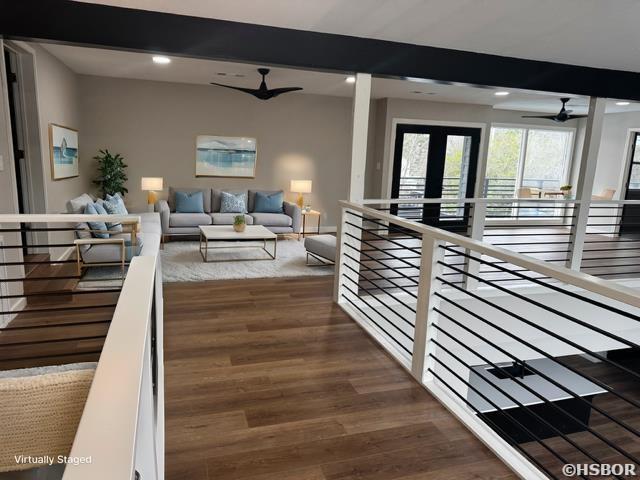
[(262, 92), (562, 116)]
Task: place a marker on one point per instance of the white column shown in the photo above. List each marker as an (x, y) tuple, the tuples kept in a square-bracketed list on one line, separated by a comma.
[(359, 134), (586, 175), (479, 212)]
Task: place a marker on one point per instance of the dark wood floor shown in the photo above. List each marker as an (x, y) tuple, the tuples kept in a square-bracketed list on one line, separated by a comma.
[(268, 379)]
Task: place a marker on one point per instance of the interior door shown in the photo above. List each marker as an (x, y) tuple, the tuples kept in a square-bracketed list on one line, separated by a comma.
[(630, 220), (435, 162)]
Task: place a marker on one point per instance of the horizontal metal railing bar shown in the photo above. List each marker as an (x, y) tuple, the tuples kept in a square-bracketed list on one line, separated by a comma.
[(401, 302), (549, 379), (382, 238), (55, 309), (402, 275), (54, 325), (406, 231), (500, 201), (381, 260), (617, 273), (376, 324), (611, 265), (533, 243), (61, 277), (564, 315), (612, 241), (363, 299), (552, 334), (47, 245), (36, 357), (494, 426), (610, 249), (541, 217), (52, 293), (532, 234), (66, 218), (56, 340), (49, 229), (506, 413), (608, 258), (393, 257), (36, 262), (539, 418)]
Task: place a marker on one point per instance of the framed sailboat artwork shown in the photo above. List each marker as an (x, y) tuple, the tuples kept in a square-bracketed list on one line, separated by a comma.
[(63, 149)]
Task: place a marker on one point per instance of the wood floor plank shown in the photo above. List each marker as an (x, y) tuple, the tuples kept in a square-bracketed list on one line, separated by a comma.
[(267, 379)]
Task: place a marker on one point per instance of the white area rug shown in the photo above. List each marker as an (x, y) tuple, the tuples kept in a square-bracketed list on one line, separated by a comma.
[(182, 262)]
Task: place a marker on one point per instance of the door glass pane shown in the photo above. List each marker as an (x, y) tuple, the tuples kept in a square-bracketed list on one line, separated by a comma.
[(413, 172), (634, 179), (456, 171), (505, 149)]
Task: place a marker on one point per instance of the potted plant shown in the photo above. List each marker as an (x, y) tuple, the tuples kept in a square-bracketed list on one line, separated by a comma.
[(239, 223), (566, 190), (112, 174)]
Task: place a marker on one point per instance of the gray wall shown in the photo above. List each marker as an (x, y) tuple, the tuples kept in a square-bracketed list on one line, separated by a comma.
[(154, 126)]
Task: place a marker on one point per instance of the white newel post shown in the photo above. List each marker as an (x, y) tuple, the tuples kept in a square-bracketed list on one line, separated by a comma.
[(584, 187), (345, 266), (472, 267), (359, 135), (427, 301)]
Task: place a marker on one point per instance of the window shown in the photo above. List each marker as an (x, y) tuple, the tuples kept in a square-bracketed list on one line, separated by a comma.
[(538, 158)]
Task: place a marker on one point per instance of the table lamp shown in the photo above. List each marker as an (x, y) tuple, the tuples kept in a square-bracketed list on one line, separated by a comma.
[(151, 185), (300, 187)]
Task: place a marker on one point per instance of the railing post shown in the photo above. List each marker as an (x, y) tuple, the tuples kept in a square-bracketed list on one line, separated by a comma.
[(431, 253), (342, 260), (472, 267)]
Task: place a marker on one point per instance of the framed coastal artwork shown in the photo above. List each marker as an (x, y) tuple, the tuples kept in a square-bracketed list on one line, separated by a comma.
[(63, 149), (225, 156)]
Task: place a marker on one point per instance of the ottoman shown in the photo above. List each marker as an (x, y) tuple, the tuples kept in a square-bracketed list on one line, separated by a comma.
[(322, 248)]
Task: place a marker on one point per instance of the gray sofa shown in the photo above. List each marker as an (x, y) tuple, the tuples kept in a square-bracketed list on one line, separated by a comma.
[(173, 223), (148, 240)]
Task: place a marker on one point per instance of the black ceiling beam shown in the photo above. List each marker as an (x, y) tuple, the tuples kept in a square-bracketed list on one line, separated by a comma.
[(92, 25)]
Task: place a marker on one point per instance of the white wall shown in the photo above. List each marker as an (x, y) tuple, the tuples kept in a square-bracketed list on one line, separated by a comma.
[(154, 126), (612, 170)]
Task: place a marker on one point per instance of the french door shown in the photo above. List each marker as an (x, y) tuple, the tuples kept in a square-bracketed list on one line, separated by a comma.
[(630, 220), (435, 162)]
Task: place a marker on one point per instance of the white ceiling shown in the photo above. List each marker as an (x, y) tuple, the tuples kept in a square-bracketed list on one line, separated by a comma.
[(597, 33), (121, 64)]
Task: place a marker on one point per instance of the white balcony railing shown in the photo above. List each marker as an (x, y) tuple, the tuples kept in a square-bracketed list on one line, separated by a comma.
[(512, 359)]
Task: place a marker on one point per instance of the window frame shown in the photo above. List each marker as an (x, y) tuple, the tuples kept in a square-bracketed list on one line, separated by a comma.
[(569, 153)]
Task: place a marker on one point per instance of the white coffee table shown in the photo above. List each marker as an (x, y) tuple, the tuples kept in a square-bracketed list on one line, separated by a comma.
[(212, 234)]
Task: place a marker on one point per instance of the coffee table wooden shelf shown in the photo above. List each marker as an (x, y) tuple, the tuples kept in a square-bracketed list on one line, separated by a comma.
[(212, 234)]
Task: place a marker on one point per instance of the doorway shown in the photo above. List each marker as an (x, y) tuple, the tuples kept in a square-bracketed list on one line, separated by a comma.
[(630, 219), (435, 162)]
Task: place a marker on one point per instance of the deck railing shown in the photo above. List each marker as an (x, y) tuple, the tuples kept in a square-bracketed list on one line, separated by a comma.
[(539, 366)]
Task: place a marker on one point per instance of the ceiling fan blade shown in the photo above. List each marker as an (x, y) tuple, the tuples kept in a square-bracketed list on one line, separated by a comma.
[(548, 117), (279, 91), (251, 91)]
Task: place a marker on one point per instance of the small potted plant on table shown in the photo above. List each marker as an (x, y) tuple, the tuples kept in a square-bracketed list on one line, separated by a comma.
[(239, 223), (566, 190)]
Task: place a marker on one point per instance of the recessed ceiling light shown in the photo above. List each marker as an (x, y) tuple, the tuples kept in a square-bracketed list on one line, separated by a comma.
[(623, 104), (161, 60), (350, 79), (501, 93)]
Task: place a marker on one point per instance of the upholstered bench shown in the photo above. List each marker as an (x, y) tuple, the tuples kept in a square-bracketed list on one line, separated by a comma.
[(322, 248)]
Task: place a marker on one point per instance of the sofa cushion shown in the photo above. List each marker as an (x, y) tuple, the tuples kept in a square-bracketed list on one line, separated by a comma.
[(271, 219), (189, 219), (76, 205), (227, 218), (216, 198), (206, 197), (268, 202), (90, 209), (117, 203), (189, 202), (100, 208), (233, 202)]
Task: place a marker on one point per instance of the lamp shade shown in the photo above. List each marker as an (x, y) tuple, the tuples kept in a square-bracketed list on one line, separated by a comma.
[(151, 183), (301, 186)]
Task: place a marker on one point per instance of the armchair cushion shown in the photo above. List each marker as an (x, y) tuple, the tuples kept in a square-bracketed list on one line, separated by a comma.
[(268, 202)]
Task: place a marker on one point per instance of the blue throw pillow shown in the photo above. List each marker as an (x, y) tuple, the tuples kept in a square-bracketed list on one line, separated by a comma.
[(233, 203), (189, 202), (117, 203), (99, 206), (90, 209), (268, 202)]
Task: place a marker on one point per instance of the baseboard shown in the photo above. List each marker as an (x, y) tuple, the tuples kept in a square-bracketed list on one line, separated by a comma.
[(66, 254)]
